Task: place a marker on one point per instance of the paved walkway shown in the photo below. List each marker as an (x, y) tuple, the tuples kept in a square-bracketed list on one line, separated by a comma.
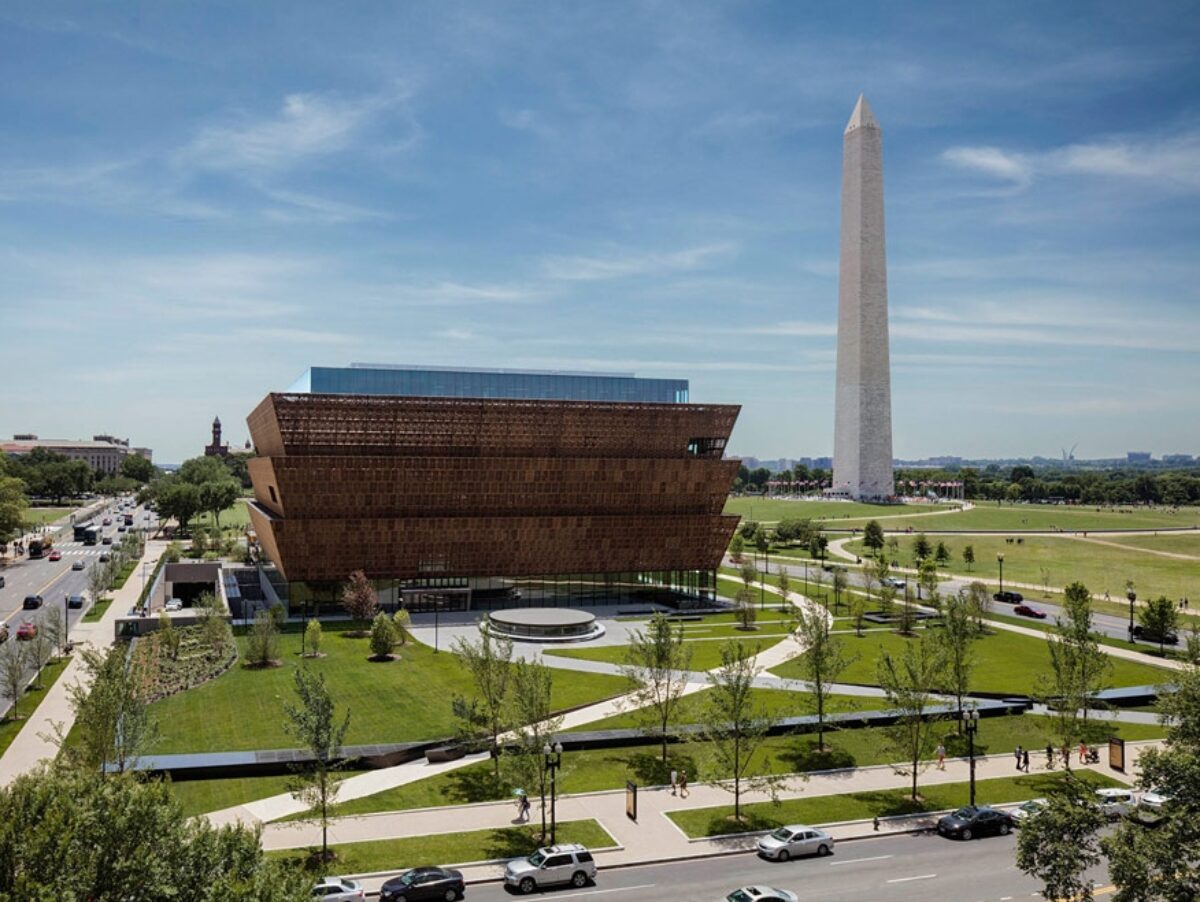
[(653, 837), (34, 742)]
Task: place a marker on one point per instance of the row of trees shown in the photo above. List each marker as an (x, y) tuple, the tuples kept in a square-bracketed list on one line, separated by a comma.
[(202, 484)]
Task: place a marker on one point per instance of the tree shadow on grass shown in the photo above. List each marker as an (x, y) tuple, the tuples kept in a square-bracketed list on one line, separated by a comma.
[(511, 842), (805, 756), (650, 770), (469, 786), (723, 824), (889, 803)]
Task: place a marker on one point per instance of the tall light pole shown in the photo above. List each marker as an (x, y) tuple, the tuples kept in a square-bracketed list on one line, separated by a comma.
[(1000, 561), (1132, 596), (553, 763), (970, 722)]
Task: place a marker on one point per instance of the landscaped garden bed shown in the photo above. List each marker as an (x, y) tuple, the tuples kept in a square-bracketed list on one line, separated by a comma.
[(201, 655)]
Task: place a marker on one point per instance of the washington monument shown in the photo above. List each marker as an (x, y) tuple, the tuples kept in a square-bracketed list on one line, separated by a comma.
[(862, 439)]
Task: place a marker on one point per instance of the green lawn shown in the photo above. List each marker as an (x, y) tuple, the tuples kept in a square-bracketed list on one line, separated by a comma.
[(450, 848), (398, 701), (856, 806), (772, 510), (1172, 542), (592, 770), (1006, 662), (202, 796), (96, 611), (1020, 517), (124, 573), (234, 518), (28, 702), (40, 516), (706, 654), (1102, 568)]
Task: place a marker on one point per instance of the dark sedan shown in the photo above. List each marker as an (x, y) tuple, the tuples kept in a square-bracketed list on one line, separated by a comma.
[(1024, 610), (1009, 597), (967, 823), (423, 883)]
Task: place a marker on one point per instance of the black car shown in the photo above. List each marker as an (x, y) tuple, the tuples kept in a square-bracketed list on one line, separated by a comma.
[(423, 883), (32, 602), (969, 822), (75, 601), (1140, 632), (1009, 597)]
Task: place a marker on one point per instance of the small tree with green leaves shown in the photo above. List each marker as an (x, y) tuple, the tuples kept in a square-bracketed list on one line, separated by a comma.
[(942, 554), (54, 624), (1160, 619), (489, 661), (658, 662), (909, 681), (312, 638), (858, 612), (262, 643), (747, 613), (313, 721), (921, 548), (168, 636), (1061, 844), (873, 537), (13, 662), (383, 637), (968, 556), (840, 581), (954, 640), (97, 581), (737, 547), (529, 711), (823, 660), (785, 588), (113, 722), (927, 579)]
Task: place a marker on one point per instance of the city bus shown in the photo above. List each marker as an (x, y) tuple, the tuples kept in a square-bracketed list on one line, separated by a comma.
[(38, 547)]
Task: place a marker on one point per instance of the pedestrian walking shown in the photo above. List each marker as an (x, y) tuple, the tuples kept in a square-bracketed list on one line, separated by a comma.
[(674, 780), (683, 791), (1017, 755), (941, 756), (1049, 757), (1083, 753), (1066, 756), (522, 807), (1025, 759)]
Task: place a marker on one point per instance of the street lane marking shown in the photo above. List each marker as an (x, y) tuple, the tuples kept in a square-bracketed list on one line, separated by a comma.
[(600, 892), (857, 860), (918, 877)]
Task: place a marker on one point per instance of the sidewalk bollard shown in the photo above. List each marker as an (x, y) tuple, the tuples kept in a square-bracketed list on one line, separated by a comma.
[(876, 823)]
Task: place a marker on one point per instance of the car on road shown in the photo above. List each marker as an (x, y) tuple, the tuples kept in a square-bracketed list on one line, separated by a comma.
[(420, 884), (894, 582), (32, 602), (1024, 610), (107, 521), (107, 540), (1140, 632), (1115, 802), (77, 565), (75, 601), (121, 528), (27, 630), (54, 555), (1154, 799), (795, 839), (1009, 597), (105, 557), (761, 894), (973, 821), (551, 866), (335, 889), (1024, 812)]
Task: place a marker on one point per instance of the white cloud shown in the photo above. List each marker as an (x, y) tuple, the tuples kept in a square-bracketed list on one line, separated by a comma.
[(1010, 167), (618, 266)]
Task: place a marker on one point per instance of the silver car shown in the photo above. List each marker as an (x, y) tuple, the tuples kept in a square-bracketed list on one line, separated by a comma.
[(1029, 809), (554, 865), (1154, 799), (761, 894), (335, 889), (794, 840)]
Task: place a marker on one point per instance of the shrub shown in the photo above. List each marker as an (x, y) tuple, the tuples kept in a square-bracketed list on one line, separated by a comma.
[(312, 637), (400, 622), (383, 636), (278, 615), (262, 645)]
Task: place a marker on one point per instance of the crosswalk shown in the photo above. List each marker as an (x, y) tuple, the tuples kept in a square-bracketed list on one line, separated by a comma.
[(81, 550)]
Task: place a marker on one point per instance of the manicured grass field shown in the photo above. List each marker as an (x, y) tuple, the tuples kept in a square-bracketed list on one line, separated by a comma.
[(600, 769), (706, 654), (40, 516), (1173, 542), (1006, 662), (203, 796), (856, 806), (772, 510), (236, 517), (1020, 517), (96, 611), (1102, 568), (28, 702), (450, 848), (397, 701)]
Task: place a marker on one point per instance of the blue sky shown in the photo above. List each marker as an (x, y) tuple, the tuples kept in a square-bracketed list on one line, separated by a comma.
[(198, 200)]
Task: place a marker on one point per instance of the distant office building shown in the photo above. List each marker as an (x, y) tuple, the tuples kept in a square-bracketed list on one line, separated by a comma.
[(475, 488), (104, 453), (1179, 458), (1137, 457), (216, 448)]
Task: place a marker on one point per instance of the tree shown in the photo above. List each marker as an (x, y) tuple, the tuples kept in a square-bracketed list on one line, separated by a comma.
[(737, 546), (927, 579), (909, 682), (179, 501), (529, 712), (312, 638), (12, 674), (13, 507), (785, 588), (400, 624), (968, 556), (1092, 665), (942, 554), (202, 469), (1060, 845), (954, 640), (839, 583), (138, 468), (53, 846), (97, 581), (262, 644), (360, 599), (873, 537), (218, 495), (762, 542), (658, 662), (314, 722), (41, 649), (858, 612), (168, 636), (921, 548), (1159, 618), (979, 599), (735, 724), (823, 660), (746, 613), (489, 661), (113, 722), (383, 637)]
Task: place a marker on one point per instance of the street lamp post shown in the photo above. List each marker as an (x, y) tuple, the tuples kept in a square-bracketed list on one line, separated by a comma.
[(806, 579), (553, 763), (1000, 561), (970, 722), (66, 620), (1132, 596)]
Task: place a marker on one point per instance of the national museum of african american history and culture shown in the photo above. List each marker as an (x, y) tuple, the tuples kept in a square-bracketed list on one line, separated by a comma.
[(461, 488)]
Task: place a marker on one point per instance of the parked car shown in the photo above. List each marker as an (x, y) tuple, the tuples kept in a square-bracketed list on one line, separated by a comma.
[(74, 601), (1154, 799), (1140, 632), (173, 604), (1115, 802), (107, 521), (424, 883), (335, 889), (551, 866), (27, 630), (969, 822), (33, 602), (54, 555), (895, 583), (788, 842), (105, 557), (761, 894), (107, 540), (1008, 597), (1024, 610), (77, 565), (1022, 813)]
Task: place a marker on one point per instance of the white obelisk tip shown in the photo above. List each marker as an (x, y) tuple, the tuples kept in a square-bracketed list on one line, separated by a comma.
[(862, 117)]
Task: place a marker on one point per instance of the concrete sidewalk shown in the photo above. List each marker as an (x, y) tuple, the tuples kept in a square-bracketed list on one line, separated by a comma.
[(653, 837), (35, 743)]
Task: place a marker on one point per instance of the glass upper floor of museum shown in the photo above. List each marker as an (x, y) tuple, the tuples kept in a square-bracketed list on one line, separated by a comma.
[(437, 382)]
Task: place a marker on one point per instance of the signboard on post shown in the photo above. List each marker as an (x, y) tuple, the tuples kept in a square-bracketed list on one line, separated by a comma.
[(1116, 754), (631, 800)]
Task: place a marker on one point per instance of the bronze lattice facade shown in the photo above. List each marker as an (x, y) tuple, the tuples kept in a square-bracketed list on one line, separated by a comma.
[(442, 489)]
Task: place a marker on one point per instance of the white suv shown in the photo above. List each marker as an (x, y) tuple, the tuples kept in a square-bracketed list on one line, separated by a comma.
[(1115, 802), (565, 863)]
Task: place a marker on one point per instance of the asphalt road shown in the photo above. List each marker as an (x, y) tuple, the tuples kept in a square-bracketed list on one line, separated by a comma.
[(897, 869)]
